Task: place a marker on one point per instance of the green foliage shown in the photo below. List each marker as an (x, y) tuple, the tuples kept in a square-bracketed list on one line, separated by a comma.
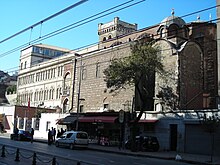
[(137, 70), (144, 61), (170, 99), (11, 89)]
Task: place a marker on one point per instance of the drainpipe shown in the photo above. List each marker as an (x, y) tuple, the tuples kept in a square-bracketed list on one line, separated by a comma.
[(73, 87)]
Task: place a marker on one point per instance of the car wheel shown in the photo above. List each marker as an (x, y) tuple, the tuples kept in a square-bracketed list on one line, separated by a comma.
[(71, 146), (57, 144)]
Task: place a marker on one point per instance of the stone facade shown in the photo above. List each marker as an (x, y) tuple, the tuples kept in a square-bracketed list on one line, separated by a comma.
[(186, 48)]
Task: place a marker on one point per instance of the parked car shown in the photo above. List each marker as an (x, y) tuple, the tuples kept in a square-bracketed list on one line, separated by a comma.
[(21, 136), (73, 139), (146, 143)]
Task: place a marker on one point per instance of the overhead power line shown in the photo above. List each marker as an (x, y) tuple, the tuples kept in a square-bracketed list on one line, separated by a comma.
[(44, 20), (89, 19), (74, 25)]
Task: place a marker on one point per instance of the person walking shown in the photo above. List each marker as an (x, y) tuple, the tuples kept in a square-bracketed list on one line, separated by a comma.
[(32, 135), (58, 133), (49, 138), (54, 134)]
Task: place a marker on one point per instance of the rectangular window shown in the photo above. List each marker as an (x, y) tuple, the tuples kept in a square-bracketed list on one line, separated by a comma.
[(48, 125), (37, 124), (106, 107), (81, 108), (97, 73), (83, 72), (25, 64), (61, 71), (21, 66), (58, 71), (21, 123)]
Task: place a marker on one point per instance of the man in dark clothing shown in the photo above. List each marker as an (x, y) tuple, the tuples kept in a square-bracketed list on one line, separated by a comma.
[(16, 130), (49, 138), (54, 134), (32, 135)]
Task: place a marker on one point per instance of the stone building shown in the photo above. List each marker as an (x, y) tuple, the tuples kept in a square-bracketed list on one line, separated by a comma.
[(189, 55), (73, 81), (49, 76)]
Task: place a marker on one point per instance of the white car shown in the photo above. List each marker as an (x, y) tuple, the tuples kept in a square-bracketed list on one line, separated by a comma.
[(73, 139)]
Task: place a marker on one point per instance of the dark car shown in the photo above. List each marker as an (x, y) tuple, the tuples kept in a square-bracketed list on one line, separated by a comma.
[(22, 135), (146, 143)]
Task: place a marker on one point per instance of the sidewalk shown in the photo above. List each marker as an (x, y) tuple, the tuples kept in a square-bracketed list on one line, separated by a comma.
[(168, 155)]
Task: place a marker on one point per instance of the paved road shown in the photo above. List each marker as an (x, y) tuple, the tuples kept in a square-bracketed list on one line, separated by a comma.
[(66, 156)]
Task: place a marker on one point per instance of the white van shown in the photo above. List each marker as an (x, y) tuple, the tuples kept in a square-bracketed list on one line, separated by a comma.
[(73, 139)]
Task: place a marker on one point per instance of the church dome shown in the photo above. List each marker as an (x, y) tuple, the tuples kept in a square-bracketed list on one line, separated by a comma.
[(172, 20)]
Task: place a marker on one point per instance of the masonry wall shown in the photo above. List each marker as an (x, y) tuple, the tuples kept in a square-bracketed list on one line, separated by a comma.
[(93, 86)]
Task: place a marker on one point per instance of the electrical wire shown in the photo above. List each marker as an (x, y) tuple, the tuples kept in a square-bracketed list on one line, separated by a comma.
[(44, 20), (54, 33), (69, 26)]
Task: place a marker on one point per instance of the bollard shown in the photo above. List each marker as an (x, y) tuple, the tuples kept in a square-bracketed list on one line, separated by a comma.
[(54, 161), (3, 151), (78, 163), (17, 159), (34, 159)]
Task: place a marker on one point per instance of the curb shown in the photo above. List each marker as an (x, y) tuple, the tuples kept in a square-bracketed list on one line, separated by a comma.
[(121, 152)]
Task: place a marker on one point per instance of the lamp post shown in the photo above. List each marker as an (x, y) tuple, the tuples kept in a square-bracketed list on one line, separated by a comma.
[(79, 88)]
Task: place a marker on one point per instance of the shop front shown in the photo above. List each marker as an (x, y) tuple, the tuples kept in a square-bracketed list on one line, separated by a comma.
[(103, 130)]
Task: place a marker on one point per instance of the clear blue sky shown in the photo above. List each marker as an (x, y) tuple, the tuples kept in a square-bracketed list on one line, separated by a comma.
[(17, 15)]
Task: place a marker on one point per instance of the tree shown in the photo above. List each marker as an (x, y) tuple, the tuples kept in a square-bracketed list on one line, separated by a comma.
[(136, 70), (11, 89), (168, 97), (132, 70)]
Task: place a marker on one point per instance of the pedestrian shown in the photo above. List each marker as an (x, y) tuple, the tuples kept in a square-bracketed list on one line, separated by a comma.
[(54, 134), (62, 131), (2, 128), (49, 138), (16, 130), (58, 133), (32, 135)]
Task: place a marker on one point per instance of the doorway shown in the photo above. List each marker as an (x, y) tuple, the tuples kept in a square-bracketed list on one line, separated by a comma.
[(173, 137)]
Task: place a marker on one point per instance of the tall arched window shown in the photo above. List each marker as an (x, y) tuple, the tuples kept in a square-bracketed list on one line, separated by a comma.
[(67, 83), (97, 72), (65, 105)]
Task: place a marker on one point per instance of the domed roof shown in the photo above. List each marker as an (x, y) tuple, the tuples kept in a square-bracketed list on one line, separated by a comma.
[(172, 20)]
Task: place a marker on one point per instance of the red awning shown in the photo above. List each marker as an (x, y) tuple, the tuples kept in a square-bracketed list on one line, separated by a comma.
[(148, 121), (97, 119)]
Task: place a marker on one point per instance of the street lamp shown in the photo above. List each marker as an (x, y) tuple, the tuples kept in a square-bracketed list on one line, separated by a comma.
[(79, 88)]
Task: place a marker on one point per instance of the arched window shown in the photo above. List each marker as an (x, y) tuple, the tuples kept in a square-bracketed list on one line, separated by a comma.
[(52, 94), (57, 93), (109, 37), (97, 72), (67, 83), (173, 30), (104, 39), (65, 105)]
